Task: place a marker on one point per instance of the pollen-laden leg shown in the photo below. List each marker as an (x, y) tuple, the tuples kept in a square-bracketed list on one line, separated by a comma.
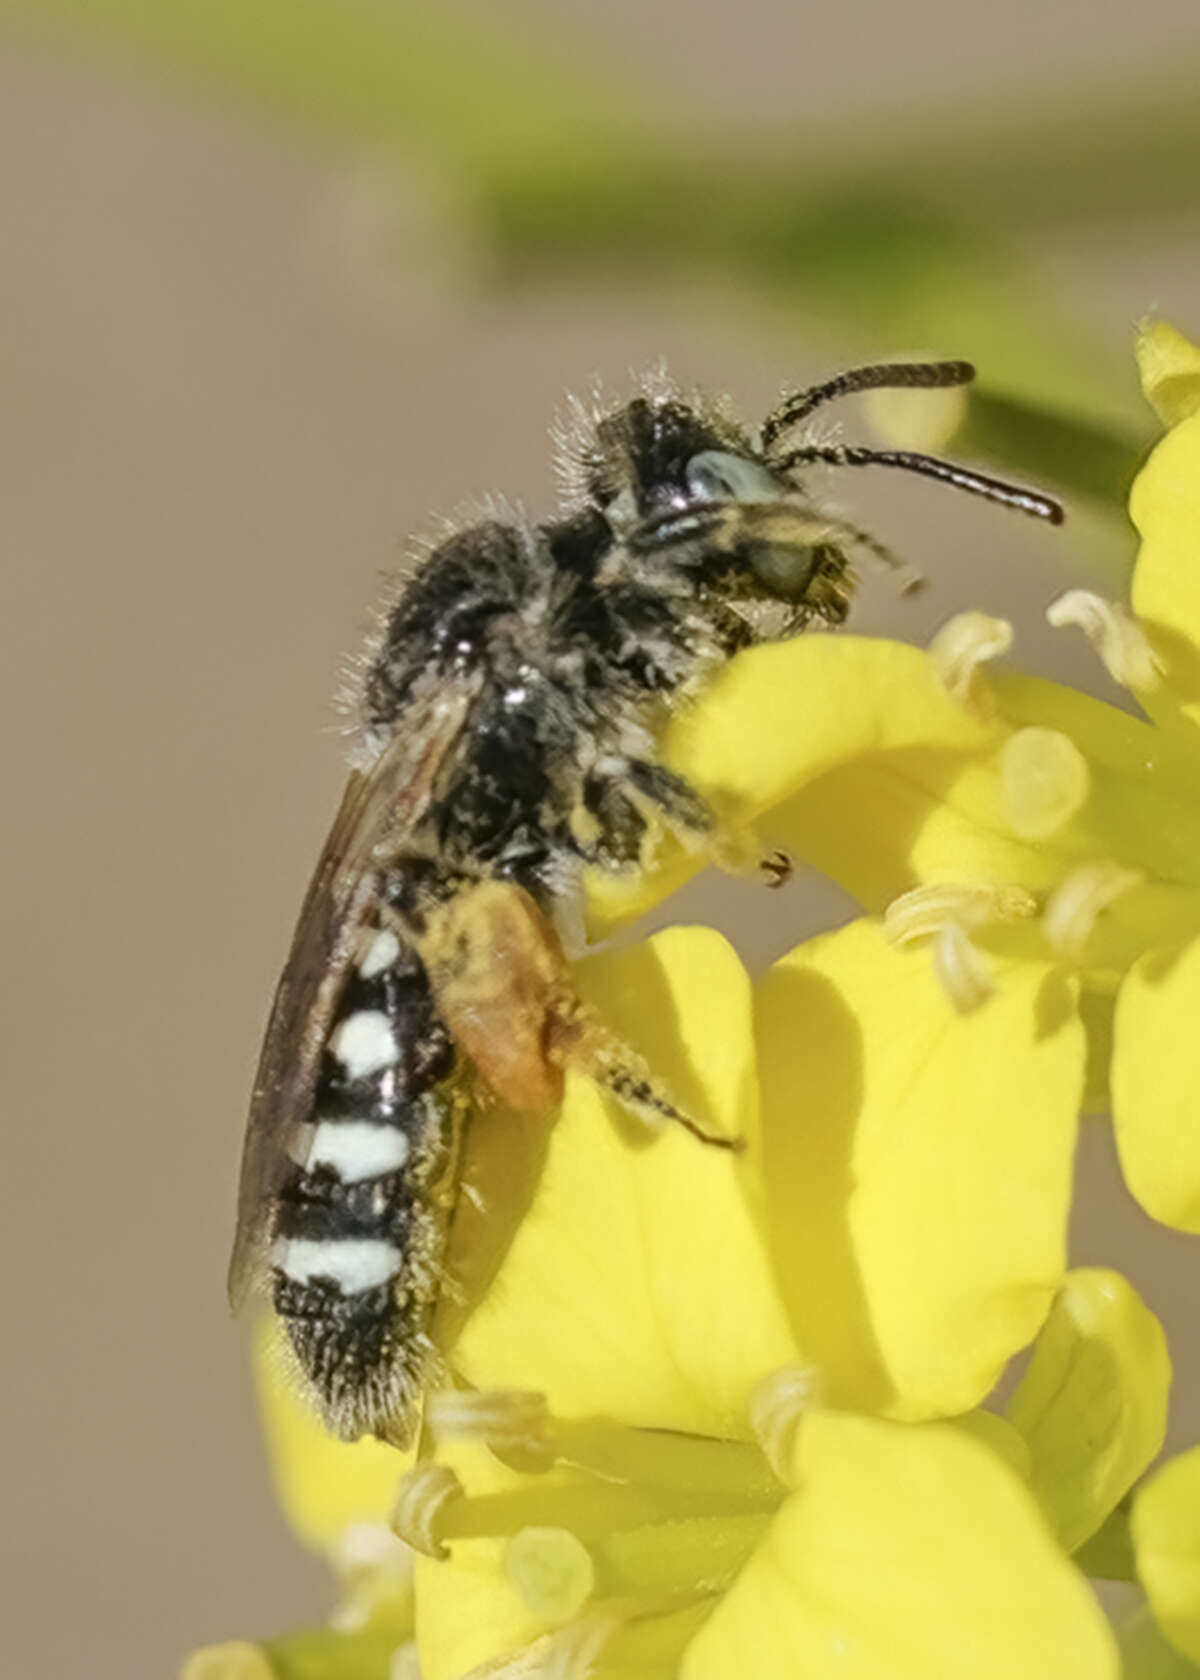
[(686, 814), (504, 991), (361, 1223)]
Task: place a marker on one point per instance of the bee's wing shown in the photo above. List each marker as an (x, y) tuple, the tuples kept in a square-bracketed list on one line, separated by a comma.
[(379, 809)]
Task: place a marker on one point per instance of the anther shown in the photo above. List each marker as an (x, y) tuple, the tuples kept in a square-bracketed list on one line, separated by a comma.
[(924, 911), (961, 967), (405, 1663), (1075, 904), (776, 1408), (961, 647), (551, 1570), (1119, 640), (423, 1495), (1044, 780), (235, 1660), (510, 1421), (916, 419)]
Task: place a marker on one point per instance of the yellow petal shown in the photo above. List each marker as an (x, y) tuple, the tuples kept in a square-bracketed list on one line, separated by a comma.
[(1155, 1076), (1165, 1524), (916, 1165), (1169, 365), (637, 1283), (907, 1553), (323, 1485), (1093, 1401), (468, 1612), (1165, 506), (779, 717)]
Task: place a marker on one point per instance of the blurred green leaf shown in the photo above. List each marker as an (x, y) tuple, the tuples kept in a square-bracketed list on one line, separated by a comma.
[(920, 236)]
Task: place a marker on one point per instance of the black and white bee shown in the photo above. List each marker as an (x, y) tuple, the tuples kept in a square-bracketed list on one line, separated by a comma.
[(509, 716)]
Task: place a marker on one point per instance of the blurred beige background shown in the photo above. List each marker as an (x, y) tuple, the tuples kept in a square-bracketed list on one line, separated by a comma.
[(218, 419)]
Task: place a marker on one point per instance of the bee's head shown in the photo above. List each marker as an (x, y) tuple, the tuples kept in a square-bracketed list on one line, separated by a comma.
[(687, 484)]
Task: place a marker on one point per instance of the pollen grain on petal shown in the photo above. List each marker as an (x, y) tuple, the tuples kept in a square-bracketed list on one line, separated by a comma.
[(423, 1495), (961, 968), (1044, 781), (961, 648), (1119, 640), (1073, 907)]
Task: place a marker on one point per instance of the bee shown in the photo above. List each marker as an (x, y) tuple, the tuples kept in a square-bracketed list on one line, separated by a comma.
[(509, 716)]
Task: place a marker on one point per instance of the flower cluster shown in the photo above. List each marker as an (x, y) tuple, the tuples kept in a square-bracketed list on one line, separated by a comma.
[(710, 1413)]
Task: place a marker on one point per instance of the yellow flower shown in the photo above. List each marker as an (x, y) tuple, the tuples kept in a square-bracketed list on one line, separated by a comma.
[(700, 1329), (1007, 822), (711, 1410)]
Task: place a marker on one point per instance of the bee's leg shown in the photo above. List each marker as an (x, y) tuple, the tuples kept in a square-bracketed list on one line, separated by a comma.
[(505, 993), (578, 1038), (733, 848)]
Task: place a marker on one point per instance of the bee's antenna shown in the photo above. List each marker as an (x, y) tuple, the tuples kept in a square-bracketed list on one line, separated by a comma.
[(962, 478), (881, 376)]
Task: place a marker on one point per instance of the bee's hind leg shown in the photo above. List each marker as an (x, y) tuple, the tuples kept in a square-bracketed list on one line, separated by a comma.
[(577, 1038), (505, 992)]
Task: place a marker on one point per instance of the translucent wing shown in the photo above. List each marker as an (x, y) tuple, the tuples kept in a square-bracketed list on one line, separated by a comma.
[(379, 809)]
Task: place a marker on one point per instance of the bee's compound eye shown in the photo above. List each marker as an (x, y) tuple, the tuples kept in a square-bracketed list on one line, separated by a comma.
[(715, 476), (784, 569)]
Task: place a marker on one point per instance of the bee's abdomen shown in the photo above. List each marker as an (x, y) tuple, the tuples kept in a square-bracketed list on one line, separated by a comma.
[(360, 1223)]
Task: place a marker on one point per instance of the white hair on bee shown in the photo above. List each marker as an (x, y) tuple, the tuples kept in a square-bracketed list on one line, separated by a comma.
[(573, 431)]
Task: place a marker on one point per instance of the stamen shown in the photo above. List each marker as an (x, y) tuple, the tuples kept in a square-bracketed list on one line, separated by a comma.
[(1044, 780), (1074, 905), (405, 1663), (959, 650), (510, 1421), (909, 418), (235, 1660), (922, 912), (961, 967), (551, 1570), (1119, 640), (370, 1563), (776, 1408), (423, 1495)]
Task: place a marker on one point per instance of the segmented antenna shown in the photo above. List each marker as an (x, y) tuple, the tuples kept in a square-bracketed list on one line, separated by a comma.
[(890, 376), (1015, 496)]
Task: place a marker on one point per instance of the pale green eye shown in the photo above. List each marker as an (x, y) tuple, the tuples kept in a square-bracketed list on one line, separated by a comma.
[(715, 476)]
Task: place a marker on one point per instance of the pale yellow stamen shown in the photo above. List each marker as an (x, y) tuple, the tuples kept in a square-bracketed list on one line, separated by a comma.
[(1044, 780), (962, 647), (233, 1661), (552, 1571), (776, 1408), (509, 1420), (916, 419), (405, 1663), (360, 1556), (423, 1495), (1074, 905), (961, 967), (1117, 637), (924, 911)]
